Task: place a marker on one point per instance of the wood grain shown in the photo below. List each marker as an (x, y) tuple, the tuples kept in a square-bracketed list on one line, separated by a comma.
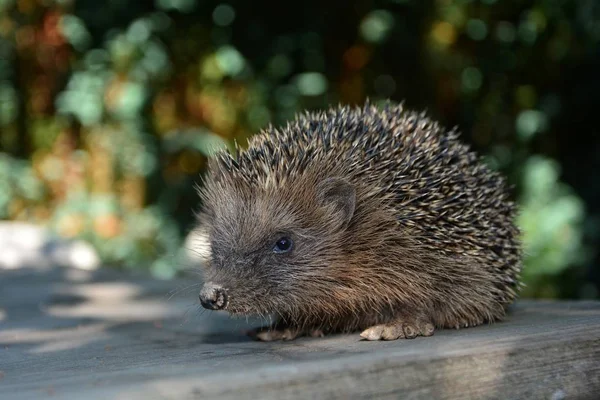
[(73, 334)]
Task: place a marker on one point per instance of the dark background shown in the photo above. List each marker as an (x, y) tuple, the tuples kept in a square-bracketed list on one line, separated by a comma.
[(109, 109)]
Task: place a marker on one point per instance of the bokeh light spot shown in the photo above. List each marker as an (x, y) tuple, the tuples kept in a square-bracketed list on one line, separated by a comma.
[(223, 15), (139, 31), (75, 31), (356, 57), (230, 60), (444, 33), (505, 32), (376, 25), (530, 122), (477, 29), (280, 65), (471, 79), (311, 83), (184, 6)]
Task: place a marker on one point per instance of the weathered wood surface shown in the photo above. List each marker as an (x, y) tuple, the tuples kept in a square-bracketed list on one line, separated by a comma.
[(72, 334)]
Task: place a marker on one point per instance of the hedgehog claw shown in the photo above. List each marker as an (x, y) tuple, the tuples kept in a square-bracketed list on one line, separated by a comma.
[(373, 333), (398, 330), (270, 334)]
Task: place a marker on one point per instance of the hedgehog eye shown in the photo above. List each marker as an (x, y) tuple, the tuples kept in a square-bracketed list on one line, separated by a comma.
[(283, 245)]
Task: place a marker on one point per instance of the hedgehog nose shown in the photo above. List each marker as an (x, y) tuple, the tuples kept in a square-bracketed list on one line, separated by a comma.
[(213, 297)]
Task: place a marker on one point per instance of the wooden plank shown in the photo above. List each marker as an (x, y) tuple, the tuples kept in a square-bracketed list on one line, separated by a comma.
[(81, 334)]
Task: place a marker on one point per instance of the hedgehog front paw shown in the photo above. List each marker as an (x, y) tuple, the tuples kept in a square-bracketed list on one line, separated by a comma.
[(399, 329), (270, 334)]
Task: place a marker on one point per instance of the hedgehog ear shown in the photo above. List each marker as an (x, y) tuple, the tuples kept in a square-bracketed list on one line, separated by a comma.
[(339, 197)]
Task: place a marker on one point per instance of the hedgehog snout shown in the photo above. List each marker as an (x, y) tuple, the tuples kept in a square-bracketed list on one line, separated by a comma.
[(213, 297)]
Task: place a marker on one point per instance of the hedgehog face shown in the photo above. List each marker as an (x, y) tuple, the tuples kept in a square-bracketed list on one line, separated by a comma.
[(269, 247)]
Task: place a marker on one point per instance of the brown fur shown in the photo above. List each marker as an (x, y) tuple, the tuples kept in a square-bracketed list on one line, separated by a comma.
[(394, 221)]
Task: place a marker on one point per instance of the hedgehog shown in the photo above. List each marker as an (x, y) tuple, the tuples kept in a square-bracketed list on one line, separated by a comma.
[(358, 219)]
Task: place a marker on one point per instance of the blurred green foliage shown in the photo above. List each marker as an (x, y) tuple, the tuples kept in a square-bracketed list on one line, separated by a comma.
[(108, 110)]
